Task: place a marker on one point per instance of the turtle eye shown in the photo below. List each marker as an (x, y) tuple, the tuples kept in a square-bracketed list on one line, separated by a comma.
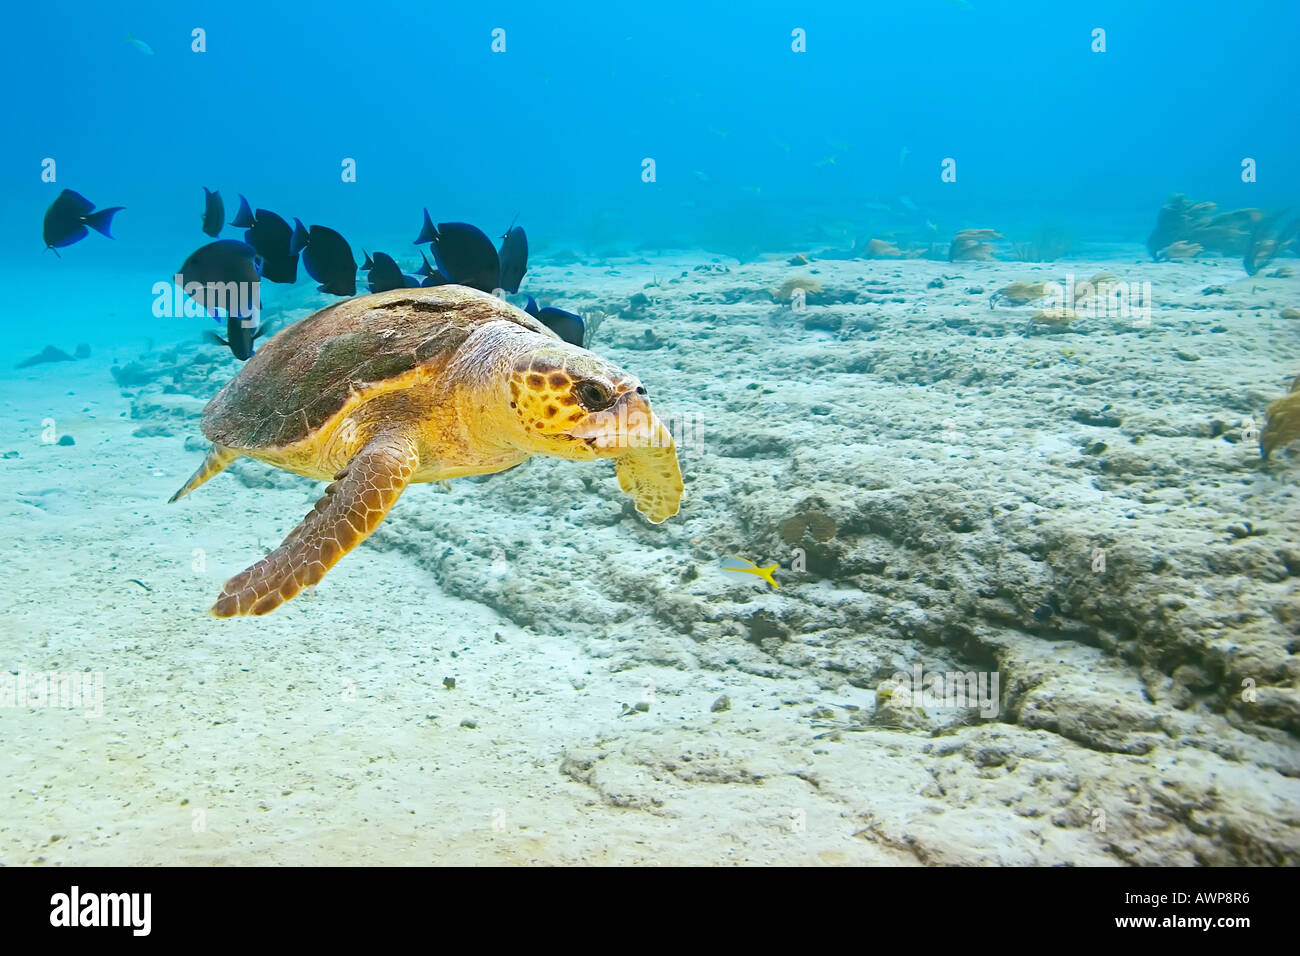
[(594, 396)]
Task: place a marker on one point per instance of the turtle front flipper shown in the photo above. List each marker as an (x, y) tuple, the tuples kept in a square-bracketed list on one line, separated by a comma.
[(651, 475), (353, 506), (218, 460)]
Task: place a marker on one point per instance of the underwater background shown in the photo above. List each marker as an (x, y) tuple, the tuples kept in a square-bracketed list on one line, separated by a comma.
[(755, 146), (759, 209)]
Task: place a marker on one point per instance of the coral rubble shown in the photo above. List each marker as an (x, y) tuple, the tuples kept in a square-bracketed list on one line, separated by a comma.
[(972, 245), (1283, 425)]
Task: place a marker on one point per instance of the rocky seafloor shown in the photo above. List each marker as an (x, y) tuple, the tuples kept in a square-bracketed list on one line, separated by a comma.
[(1082, 512)]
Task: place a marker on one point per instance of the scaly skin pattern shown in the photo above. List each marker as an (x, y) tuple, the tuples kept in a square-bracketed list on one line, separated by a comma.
[(350, 510)]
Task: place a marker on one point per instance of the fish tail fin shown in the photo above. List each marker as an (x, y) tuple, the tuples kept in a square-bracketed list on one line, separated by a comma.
[(766, 575), (298, 241), (101, 220), (244, 218), (427, 232)]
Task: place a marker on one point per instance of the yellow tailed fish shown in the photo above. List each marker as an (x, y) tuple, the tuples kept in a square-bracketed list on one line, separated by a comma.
[(749, 567)]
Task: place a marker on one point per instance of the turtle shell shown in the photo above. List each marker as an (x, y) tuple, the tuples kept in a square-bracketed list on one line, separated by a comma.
[(305, 375)]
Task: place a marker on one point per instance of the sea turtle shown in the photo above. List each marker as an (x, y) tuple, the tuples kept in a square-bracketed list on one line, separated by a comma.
[(413, 385)]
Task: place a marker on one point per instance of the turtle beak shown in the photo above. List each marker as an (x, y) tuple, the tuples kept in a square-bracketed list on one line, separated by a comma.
[(628, 423)]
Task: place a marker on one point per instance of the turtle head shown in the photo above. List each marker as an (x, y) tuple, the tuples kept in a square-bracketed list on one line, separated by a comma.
[(568, 403)]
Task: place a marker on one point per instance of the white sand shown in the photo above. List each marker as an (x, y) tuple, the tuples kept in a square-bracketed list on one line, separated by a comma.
[(306, 736)]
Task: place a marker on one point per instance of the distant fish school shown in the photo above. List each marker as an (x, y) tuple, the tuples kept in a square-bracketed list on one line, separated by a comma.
[(271, 249)]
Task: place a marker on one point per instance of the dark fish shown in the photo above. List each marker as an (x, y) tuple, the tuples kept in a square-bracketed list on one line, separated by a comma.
[(69, 215), (222, 275), (244, 218), (386, 275), (566, 325), (327, 258), (271, 236), (368, 264), (514, 258), (47, 354), (465, 255), (428, 274), (214, 212), (241, 334)]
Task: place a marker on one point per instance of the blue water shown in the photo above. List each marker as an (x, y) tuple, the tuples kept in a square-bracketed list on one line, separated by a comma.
[(911, 474), (757, 148)]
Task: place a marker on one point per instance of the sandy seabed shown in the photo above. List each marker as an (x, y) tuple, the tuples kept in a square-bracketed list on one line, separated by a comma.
[(936, 479)]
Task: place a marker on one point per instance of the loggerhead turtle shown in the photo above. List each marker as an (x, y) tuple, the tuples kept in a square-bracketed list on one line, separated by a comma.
[(413, 385)]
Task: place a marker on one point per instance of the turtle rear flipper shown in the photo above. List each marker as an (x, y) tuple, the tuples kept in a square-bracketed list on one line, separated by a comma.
[(218, 460), (652, 476), (353, 506)]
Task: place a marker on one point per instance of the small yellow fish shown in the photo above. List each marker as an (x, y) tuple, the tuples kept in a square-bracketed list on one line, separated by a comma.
[(744, 566)]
